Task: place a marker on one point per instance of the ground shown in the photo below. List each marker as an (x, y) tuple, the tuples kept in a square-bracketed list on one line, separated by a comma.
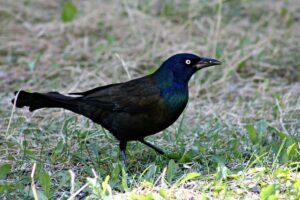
[(237, 139)]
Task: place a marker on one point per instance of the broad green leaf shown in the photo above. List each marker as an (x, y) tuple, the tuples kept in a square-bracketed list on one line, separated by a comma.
[(297, 184), (146, 197), (252, 132), (267, 191), (222, 171), (4, 187), (115, 174), (45, 182), (282, 172), (64, 179), (95, 186), (171, 170), (106, 187), (261, 128), (4, 169), (69, 11), (187, 177), (149, 175), (58, 150), (163, 193), (124, 179), (290, 148)]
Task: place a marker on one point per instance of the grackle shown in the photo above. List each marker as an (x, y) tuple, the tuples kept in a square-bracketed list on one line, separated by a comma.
[(131, 110)]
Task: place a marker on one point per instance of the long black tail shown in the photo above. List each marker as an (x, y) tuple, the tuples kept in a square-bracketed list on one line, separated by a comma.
[(45, 100)]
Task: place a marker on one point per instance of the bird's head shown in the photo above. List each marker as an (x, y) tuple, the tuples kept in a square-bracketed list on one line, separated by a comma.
[(182, 66)]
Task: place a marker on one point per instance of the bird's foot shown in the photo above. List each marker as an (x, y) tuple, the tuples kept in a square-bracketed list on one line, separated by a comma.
[(124, 157), (123, 145), (158, 150)]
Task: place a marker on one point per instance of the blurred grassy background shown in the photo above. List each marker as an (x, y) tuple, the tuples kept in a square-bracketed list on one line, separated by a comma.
[(240, 131)]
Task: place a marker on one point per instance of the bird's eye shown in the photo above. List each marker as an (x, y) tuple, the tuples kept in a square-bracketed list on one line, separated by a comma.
[(187, 61)]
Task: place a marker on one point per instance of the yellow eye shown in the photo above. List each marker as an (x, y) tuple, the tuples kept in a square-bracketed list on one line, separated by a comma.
[(187, 61)]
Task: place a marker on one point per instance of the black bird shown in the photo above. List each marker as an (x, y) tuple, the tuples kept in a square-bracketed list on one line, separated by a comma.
[(131, 110)]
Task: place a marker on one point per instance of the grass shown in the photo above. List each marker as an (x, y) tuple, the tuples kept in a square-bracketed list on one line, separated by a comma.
[(237, 139)]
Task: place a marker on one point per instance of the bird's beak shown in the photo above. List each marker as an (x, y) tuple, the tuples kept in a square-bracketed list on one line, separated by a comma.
[(206, 62)]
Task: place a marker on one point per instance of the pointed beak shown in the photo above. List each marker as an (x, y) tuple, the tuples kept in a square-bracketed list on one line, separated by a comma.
[(207, 62)]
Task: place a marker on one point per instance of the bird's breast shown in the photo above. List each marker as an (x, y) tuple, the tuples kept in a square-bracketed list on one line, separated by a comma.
[(175, 103)]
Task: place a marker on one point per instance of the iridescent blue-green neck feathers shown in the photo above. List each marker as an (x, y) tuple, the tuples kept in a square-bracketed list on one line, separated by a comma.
[(172, 79)]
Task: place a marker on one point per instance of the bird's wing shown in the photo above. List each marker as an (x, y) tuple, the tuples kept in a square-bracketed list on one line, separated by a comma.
[(135, 96)]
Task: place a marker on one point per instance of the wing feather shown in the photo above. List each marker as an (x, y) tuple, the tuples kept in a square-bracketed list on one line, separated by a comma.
[(134, 96)]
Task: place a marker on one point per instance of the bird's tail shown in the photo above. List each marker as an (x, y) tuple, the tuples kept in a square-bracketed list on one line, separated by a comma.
[(45, 100)]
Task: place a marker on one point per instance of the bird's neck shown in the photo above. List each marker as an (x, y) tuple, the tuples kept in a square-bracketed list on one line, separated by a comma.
[(166, 79), (174, 91)]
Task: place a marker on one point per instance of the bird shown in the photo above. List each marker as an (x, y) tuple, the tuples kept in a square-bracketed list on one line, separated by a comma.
[(130, 110)]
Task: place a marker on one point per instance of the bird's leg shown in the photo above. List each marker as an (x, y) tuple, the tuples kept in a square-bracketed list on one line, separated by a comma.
[(122, 150), (158, 150)]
